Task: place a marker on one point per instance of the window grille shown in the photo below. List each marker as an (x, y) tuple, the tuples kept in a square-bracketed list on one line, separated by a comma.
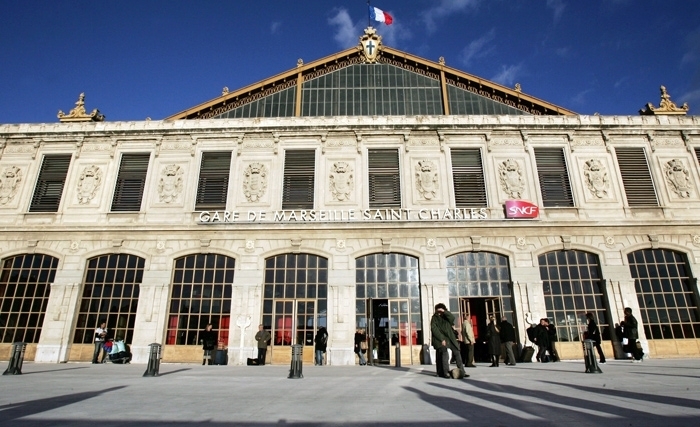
[(213, 181), (49, 185), (298, 185), (636, 177), (553, 177), (468, 178), (384, 179), (130, 182)]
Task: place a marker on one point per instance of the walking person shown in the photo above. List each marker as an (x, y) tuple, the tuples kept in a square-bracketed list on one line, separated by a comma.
[(209, 339), (263, 338), (632, 335), (320, 344), (593, 333), (552, 331), (541, 338), (100, 337), (361, 346), (468, 342), (507, 335), (493, 335), (441, 328)]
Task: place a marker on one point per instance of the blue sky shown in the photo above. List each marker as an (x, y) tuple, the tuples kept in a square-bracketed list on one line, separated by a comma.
[(139, 59)]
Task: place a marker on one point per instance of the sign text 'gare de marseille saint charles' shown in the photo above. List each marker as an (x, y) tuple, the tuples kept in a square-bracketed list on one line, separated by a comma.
[(514, 209)]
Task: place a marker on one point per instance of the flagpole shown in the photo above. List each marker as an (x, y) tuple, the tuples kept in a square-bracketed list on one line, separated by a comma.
[(369, 23)]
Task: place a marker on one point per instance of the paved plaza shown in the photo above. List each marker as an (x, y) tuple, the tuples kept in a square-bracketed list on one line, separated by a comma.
[(652, 393)]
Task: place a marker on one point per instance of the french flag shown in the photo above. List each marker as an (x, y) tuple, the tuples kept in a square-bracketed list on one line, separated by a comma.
[(380, 16)]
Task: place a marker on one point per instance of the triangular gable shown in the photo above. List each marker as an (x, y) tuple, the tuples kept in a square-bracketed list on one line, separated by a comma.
[(289, 94)]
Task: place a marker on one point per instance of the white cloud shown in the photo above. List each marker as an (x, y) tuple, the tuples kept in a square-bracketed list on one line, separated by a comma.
[(622, 82), (346, 33), (274, 27), (692, 41), (508, 75), (478, 48), (558, 7), (692, 98), (443, 9), (580, 98)]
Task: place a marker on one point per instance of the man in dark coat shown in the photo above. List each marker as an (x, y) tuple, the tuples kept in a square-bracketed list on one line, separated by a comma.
[(593, 333), (508, 339), (632, 335), (552, 331), (493, 335), (442, 330), (542, 341), (263, 338)]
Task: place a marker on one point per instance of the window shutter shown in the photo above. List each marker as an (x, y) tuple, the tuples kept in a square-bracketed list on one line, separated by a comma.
[(553, 177), (384, 179), (49, 185), (298, 184), (130, 182), (213, 181), (468, 178), (636, 177)]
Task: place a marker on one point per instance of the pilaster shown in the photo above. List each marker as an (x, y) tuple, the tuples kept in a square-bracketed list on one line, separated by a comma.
[(154, 292)]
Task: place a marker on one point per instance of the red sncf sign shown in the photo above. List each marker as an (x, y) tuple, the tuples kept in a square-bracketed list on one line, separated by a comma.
[(521, 209)]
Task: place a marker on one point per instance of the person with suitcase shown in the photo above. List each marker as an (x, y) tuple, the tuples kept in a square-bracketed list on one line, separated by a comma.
[(441, 327), (263, 338), (209, 339)]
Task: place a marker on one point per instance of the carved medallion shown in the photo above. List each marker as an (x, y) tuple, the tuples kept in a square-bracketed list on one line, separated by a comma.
[(170, 185), (427, 181), (342, 181), (678, 177), (255, 182), (596, 178), (370, 45), (511, 177), (88, 184), (9, 181)]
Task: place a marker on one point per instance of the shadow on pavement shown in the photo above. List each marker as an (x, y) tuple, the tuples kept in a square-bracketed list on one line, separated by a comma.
[(162, 374), (53, 370)]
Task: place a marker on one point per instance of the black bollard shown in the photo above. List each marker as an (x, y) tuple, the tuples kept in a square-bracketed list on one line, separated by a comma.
[(590, 359), (153, 361), (397, 356), (295, 369), (16, 359)]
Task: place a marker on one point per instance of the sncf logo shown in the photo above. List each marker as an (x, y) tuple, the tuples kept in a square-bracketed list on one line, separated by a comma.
[(521, 209)]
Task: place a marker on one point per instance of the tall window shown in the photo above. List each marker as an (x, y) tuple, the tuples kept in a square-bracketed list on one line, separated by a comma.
[(213, 181), (295, 297), (573, 287), (110, 294), (553, 177), (636, 177), (25, 284), (49, 185), (665, 294), (130, 182), (384, 179), (479, 275), (298, 185), (468, 178), (201, 294)]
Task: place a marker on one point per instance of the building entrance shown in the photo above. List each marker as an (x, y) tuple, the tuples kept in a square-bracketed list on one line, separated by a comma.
[(479, 310), (389, 326)]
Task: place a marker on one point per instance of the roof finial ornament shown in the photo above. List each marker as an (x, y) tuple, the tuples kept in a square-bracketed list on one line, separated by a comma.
[(441, 60), (224, 91), (78, 114), (370, 45), (300, 62), (518, 88), (666, 106)]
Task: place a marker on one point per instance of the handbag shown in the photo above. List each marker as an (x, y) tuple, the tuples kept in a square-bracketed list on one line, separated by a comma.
[(363, 345)]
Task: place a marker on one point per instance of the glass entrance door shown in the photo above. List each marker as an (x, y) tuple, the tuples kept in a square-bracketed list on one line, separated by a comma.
[(293, 323), (479, 310), (401, 332)]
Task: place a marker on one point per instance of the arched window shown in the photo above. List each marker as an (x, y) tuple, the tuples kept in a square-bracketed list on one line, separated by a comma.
[(25, 284), (572, 287), (201, 294), (665, 294), (295, 298), (110, 294)]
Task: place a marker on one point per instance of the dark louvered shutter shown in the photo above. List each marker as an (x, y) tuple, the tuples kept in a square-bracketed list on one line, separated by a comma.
[(384, 179), (553, 177), (298, 184), (130, 182), (49, 186), (636, 177), (213, 181), (468, 178)]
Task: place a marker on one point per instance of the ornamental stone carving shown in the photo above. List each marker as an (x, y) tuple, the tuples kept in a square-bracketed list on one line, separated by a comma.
[(678, 176), (427, 181), (170, 185), (511, 177), (254, 182), (342, 181), (9, 183), (88, 184), (596, 178)]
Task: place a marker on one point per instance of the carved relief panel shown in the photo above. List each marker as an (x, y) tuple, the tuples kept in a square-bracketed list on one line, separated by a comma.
[(170, 184), (678, 179), (10, 185), (341, 182), (512, 179), (597, 179), (427, 180), (255, 176), (89, 183)]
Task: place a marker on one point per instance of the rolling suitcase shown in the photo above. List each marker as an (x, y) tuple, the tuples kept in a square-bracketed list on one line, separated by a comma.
[(526, 355)]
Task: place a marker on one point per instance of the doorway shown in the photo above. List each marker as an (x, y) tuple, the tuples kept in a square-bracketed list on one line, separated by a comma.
[(479, 310), (389, 326)]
